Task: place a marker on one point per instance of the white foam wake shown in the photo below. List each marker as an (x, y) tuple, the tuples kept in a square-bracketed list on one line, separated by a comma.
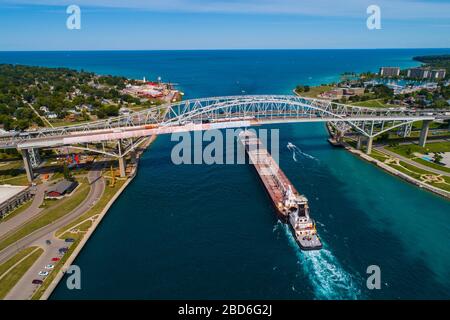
[(328, 278), (296, 151)]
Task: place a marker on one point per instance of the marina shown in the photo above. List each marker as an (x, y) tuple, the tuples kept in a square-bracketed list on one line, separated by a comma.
[(291, 207)]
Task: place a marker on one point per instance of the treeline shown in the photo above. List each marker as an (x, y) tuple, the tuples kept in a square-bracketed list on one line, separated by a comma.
[(58, 89), (436, 62)]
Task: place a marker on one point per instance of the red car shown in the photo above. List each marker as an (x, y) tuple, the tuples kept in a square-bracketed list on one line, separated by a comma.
[(56, 259)]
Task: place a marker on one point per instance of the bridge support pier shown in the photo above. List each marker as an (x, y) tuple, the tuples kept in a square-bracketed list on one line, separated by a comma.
[(122, 167), (369, 145), (424, 133), (27, 164), (359, 142)]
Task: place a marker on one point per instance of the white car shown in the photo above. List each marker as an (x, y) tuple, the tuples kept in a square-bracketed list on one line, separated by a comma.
[(43, 273), (49, 266)]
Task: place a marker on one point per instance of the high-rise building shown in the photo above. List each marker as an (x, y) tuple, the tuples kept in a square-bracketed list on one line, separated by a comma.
[(389, 71), (437, 74), (418, 73), (426, 73)]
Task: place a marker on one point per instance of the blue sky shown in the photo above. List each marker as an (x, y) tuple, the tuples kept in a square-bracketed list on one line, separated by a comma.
[(222, 24)]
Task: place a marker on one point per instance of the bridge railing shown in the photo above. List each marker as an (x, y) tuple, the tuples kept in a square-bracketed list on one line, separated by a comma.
[(216, 108)]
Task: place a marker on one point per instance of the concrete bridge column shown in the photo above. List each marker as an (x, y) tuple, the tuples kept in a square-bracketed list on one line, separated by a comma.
[(424, 133), (122, 167), (27, 164), (359, 142), (369, 145)]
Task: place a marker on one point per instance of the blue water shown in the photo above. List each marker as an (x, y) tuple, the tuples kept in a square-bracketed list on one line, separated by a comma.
[(199, 231)]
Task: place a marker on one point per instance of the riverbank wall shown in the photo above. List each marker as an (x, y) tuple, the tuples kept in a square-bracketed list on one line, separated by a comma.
[(95, 224), (391, 170)]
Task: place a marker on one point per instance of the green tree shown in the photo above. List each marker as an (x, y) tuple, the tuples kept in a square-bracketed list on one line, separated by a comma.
[(437, 158), (66, 172)]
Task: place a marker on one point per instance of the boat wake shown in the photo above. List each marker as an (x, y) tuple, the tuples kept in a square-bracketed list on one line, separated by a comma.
[(329, 280), (297, 152)]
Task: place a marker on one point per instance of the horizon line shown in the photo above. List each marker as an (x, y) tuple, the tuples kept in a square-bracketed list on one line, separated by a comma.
[(230, 49)]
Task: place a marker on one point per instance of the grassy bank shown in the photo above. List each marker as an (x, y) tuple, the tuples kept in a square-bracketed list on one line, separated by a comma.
[(314, 91), (12, 261), (96, 209), (12, 173), (11, 278), (412, 171), (408, 150)]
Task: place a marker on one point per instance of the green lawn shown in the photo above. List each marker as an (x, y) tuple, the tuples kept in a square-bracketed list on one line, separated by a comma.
[(96, 209), (373, 103), (378, 155), (408, 150), (48, 215), (13, 173), (12, 261), (13, 276), (416, 172), (315, 91)]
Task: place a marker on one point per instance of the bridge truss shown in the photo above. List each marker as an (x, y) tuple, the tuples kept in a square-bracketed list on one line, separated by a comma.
[(120, 135)]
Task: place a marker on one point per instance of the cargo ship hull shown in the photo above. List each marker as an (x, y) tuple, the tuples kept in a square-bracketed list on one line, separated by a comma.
[(290, 206)]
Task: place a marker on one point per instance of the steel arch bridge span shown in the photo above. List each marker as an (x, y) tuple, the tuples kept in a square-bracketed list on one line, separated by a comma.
[(221, 112)]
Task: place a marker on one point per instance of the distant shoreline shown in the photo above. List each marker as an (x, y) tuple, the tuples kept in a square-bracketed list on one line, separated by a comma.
[(227, 49)]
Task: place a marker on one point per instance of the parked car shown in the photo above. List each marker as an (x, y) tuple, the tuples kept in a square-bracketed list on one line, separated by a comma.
[(63, 250), (56, 259), (43, 273), (49, 266), (37, 281), (70, 240)]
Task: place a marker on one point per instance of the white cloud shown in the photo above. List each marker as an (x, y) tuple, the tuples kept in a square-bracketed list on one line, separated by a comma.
[(391, 9)]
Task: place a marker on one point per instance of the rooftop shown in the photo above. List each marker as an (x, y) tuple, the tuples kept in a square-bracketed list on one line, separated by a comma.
[(7, 192)]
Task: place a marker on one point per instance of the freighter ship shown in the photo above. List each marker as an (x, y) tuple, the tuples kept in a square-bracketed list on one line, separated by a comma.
[(291, 207)]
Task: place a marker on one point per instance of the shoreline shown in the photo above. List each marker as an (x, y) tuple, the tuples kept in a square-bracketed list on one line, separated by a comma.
[(386, 168), (47, 293), (392, 171)]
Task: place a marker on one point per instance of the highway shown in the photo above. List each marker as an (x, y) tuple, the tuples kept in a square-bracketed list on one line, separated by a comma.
[(96, 191)]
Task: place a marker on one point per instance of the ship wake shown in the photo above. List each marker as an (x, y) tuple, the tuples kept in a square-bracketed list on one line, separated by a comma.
[(328, 278), (297, 152)]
